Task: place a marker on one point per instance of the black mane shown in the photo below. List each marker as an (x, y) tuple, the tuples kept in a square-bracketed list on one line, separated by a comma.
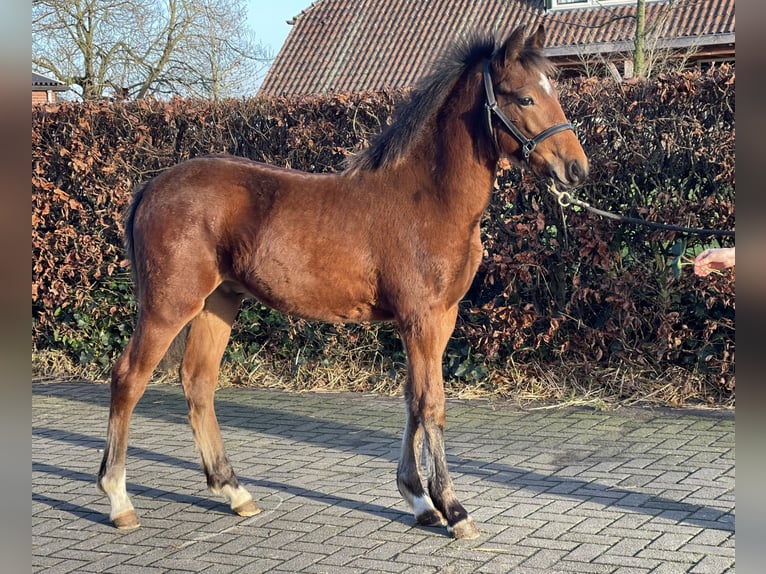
[(429, 96)]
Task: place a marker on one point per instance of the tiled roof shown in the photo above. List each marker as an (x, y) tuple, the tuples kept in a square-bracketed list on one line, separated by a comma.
[(355, 45), (40, 82), (611, 28)]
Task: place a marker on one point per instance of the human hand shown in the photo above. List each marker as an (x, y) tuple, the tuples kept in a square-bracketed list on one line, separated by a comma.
[(713, 260)]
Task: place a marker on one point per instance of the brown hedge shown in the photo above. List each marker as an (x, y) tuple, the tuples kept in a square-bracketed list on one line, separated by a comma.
[(555, 285)]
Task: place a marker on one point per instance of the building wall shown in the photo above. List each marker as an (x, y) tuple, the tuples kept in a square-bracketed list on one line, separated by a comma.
[(43, 97)]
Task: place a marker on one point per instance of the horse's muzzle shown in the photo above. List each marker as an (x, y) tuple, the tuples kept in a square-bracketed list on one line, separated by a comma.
[(576, 172)]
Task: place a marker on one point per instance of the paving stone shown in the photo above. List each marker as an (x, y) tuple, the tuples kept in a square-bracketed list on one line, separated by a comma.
[(571, 491), (711, 564)]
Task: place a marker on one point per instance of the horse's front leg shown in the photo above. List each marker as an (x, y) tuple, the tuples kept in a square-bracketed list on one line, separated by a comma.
[(411, 477), (441, 489), (422, 477)]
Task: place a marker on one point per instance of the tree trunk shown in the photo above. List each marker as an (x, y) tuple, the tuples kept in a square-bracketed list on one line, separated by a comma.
[(638, 54)]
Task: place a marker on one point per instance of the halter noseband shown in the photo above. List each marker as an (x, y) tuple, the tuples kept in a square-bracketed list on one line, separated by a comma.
[(527, 144)]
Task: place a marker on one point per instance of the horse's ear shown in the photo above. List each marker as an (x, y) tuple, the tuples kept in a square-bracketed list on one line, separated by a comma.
[(511, 49), (537, 40)]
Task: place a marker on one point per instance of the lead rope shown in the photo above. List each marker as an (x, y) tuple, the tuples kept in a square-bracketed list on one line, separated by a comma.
[(566, 199)]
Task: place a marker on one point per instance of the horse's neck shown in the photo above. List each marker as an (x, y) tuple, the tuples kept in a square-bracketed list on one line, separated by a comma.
[(457, 163)]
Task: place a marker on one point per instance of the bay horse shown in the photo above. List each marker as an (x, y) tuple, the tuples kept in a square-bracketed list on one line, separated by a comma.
[(393, 237)]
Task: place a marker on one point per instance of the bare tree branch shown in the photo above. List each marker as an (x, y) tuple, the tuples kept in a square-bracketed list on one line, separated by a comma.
[(147, 47)]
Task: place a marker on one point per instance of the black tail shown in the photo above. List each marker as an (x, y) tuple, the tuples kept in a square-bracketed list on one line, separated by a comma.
[(130, 216)]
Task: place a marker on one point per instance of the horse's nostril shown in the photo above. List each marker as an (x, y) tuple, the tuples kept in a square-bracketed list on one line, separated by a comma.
[(576, 171)]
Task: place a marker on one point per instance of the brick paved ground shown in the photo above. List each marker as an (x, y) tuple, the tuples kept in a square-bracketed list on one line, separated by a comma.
[(629, 491)]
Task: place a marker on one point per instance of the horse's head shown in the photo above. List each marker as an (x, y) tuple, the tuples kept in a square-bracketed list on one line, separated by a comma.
[(524, 115)]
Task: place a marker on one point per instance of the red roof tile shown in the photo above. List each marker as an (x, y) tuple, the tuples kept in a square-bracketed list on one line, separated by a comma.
[(356, 45)]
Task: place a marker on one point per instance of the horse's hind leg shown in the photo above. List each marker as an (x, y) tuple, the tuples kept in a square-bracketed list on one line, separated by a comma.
[(130, 375), (429, 491), (208, 334)]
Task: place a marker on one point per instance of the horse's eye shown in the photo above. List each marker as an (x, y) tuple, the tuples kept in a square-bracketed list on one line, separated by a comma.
[(526, 101)]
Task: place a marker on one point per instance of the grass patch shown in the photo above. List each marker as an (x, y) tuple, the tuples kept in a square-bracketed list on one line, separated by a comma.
[(365, 369)]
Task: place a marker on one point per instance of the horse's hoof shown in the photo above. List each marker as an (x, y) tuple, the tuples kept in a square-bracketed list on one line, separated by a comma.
[(249, 508), (126, 521), (464, 530), (431, 517)]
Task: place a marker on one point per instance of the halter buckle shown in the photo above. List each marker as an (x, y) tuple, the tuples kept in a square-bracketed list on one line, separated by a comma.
[(527, 148)]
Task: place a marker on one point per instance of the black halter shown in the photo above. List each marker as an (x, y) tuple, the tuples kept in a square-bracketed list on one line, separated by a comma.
[(527, 144)]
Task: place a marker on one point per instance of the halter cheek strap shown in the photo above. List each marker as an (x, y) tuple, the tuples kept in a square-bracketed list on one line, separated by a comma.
[(528, 145)]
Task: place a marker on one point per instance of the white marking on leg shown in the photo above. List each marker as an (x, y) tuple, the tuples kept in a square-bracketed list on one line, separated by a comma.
[(546, 84), (422, 505), (425, 512), (118, 495), (236, 496)]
